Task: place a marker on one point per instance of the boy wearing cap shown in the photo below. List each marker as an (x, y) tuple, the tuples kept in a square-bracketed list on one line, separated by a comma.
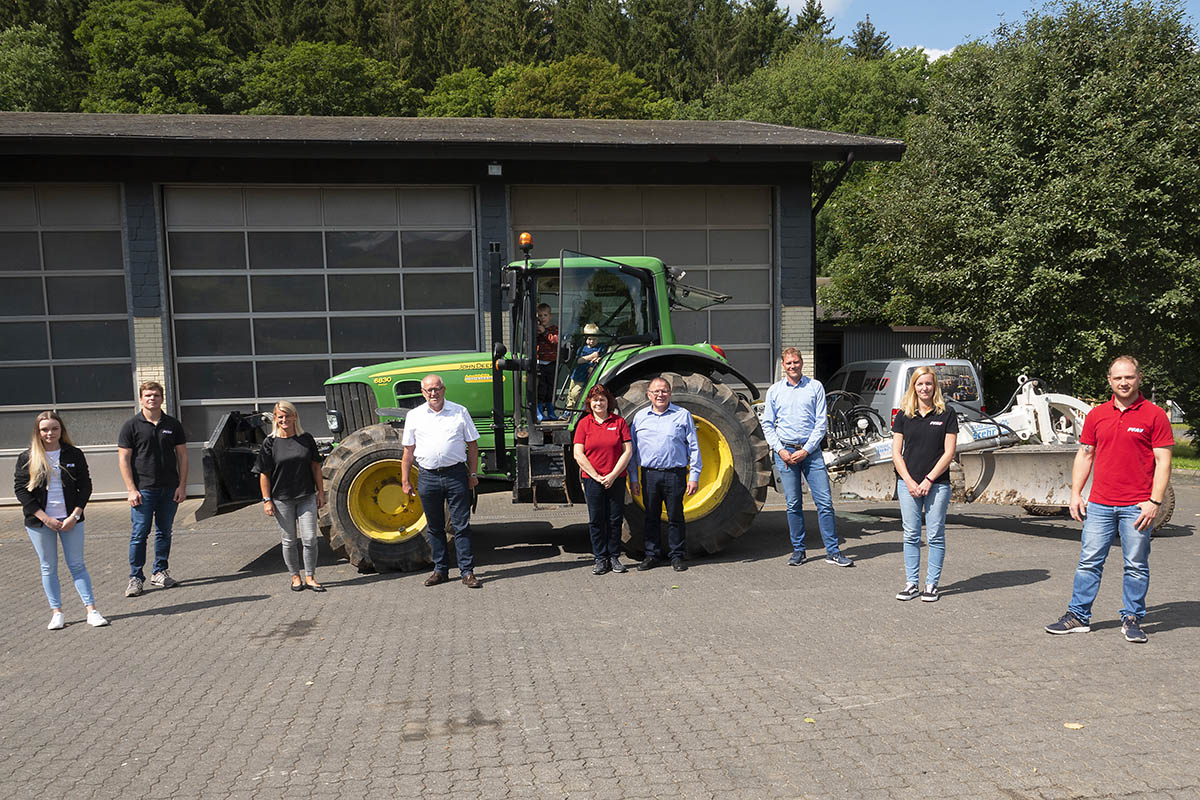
[(589, 355)]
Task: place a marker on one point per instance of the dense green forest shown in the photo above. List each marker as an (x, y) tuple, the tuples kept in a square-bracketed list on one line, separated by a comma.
[(1044, 214)]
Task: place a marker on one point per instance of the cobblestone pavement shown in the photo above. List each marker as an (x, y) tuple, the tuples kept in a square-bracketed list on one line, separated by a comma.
[(739, 678)]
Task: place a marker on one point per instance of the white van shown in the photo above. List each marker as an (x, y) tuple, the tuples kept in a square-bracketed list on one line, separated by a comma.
[(881, 385)]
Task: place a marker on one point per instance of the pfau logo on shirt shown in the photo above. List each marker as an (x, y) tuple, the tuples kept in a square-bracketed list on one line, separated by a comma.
[(938, 422), (1135, 430)]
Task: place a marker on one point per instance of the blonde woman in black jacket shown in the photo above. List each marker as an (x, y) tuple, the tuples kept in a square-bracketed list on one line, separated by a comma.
[(53, 485)]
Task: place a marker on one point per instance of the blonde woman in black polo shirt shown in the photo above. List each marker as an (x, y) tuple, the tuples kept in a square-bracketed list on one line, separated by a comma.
[(923, 440), (289, 474)]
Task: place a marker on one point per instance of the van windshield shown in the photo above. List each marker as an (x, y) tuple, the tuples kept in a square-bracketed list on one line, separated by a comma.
[(957, 381)]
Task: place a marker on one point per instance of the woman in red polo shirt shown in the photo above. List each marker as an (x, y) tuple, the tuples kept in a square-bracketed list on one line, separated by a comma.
[(603, 447)]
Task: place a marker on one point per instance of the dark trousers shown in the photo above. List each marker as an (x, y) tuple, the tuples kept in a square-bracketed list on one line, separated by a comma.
[(545, 382), (659, 487), (606, 507), (447, 487)]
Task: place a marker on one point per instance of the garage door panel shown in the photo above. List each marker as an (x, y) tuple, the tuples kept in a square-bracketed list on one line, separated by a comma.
[(18, 208), (19, 250), (74, 206), (373, 292), (745, 285), (430, 206), (678, 248), (285, 249), (610, 205), (674, 205), (548, 244), (537, 206), (362, 249), (612, 243), (361, 207), (215, 380), (200, 206), (283, 207), (738, 205), (737, 326), (209, 294), (739, 247), (212, 337), (288, 293), (206, 250)]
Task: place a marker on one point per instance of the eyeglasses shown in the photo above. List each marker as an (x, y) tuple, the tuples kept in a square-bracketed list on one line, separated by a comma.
[(434, 390), (659, 391)]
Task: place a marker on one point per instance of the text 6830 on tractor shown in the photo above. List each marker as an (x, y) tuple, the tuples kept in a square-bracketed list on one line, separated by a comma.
[(373, 523)]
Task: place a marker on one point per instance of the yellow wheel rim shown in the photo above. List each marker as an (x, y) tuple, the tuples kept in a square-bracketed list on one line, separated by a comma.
[(716, 475), (379, 507)]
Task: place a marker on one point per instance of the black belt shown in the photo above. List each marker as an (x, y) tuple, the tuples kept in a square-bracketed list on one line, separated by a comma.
[(793, 445), (665, 469), (444, 470)]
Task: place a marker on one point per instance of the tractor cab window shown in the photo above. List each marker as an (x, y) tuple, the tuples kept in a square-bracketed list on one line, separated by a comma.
[(615, 302)]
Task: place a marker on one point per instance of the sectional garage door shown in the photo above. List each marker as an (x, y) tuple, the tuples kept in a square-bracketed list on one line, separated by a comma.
[(720, 234), (274, 289)]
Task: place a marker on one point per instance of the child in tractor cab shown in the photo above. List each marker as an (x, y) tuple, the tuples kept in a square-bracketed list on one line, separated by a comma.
[(588, 356), (547, 357)]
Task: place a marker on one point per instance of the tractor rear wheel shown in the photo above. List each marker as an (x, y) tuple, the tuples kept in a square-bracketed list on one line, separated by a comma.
[(736, 465), (368, 515)]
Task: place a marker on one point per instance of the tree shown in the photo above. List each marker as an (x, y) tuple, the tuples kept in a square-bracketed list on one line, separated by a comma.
[(426, 38), (811, 22), (149, 57), (323, 79), (580, 87), (763, 34), (661, 38), (1045, 212), (868, 43), (511, 31), (33, 71), (470, 93)]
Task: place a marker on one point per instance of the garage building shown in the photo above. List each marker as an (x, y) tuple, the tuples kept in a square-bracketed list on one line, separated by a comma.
[(243, 259)]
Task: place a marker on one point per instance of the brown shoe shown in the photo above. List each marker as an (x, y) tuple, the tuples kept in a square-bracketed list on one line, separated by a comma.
[(436, 578), (470, 581)]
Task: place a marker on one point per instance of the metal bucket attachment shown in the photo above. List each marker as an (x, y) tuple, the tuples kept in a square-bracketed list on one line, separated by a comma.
[(1026, 475), (229, 456)]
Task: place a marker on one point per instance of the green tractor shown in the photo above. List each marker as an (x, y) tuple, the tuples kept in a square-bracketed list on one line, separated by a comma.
[(373, 523)]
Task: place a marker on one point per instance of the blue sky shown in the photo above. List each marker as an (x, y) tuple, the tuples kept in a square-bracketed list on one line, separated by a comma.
[(936, 25)]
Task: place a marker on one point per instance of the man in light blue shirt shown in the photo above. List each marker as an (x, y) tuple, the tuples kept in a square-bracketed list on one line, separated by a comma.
[(794, 421), (666, 447)]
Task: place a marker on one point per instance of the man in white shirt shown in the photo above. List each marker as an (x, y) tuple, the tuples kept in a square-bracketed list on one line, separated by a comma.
[(440, 436)]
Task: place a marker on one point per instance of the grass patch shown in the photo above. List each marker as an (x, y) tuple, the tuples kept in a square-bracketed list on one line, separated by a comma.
[(1183, 455)]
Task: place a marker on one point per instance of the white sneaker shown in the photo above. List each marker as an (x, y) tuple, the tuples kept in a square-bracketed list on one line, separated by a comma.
[(135, 587), (95, 619), (56, 622), (163, 579)]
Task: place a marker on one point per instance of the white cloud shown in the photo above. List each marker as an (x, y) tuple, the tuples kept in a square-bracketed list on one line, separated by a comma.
[(934, 53)]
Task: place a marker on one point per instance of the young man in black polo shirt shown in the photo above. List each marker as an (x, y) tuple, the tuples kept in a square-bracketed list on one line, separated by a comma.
[(152, 455)]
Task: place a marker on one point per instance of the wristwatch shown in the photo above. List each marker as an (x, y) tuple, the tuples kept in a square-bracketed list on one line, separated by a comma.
[(77, 516), (1156, 502), (266, 499)]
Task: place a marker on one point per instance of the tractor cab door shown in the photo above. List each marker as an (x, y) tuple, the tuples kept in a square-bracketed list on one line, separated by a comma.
[(229, 456), (599, 309)]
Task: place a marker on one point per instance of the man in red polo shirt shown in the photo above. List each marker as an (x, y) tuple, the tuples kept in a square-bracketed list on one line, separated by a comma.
[(1128, 442)]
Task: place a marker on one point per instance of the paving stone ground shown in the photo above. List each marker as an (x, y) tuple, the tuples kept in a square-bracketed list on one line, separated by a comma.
[(739, 678)]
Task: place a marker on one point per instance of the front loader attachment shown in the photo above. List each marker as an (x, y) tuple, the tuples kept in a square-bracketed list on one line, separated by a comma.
[(229, 456)]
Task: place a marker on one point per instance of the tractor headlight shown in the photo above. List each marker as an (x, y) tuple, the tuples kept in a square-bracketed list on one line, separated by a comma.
[(333, 421)]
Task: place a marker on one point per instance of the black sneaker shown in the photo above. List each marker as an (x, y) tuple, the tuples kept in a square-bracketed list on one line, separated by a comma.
[(797, 559), (616, 565), (910, 592), (930, 595), (1068, 623), (678, 565), (601, 567), (1132, 630), (650, 562)]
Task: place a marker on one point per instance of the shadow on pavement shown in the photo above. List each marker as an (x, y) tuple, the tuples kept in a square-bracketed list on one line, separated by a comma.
[(996, 580), (184, 608)]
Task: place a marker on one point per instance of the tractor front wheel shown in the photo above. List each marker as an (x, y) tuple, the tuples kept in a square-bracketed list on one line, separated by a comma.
[(369, 516), (736, 466)]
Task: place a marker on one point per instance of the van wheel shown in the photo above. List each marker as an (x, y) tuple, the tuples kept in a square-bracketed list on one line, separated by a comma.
[(736, 468)]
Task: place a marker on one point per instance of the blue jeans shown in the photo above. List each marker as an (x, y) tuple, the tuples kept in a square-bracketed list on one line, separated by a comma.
[(664, 487), (933, 508), (45, 541), (437, 489), (1101, 524), (606, 507), (811, 469), (158, 507)]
